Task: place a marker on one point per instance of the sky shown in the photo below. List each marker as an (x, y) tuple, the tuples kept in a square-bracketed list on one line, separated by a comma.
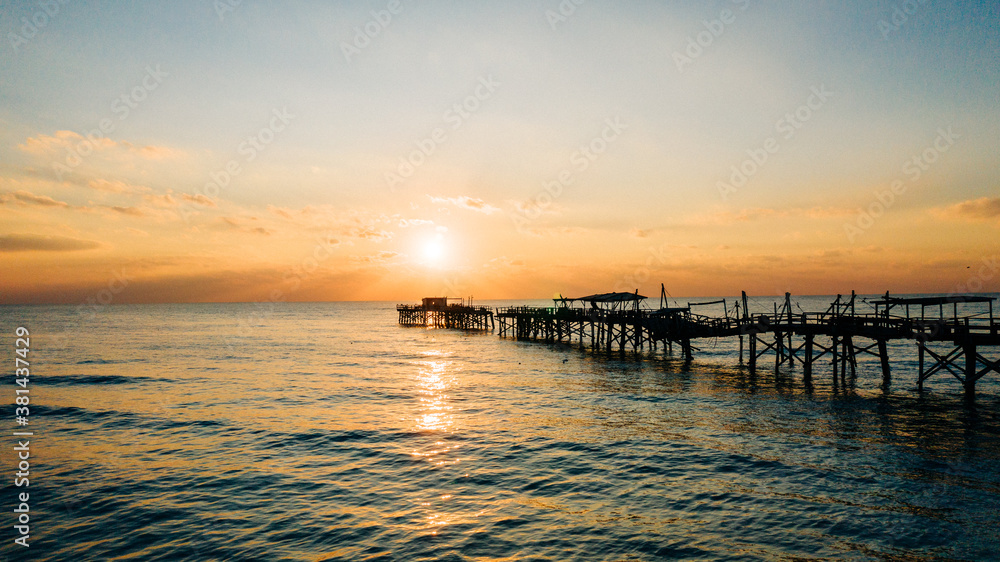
[(216, 151)]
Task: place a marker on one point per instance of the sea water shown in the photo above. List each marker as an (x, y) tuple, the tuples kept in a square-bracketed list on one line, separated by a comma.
[(326, 431)]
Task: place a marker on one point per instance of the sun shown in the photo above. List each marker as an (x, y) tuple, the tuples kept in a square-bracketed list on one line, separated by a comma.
[(434, 250)]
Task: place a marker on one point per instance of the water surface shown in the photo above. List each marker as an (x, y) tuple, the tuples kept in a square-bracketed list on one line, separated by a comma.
[(328, 432)]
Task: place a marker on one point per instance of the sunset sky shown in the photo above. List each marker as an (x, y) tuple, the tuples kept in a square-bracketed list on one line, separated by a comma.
[(221, 151)]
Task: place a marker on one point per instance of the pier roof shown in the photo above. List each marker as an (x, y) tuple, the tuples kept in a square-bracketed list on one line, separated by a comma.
[(932, 301), (610, 297)]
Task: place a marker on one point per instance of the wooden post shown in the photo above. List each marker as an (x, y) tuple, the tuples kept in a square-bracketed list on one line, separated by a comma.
[(850, 356), (920, 364), (753, 352), (833, 349), (807, 365), (883, 355), (970, 368), (778, 341)]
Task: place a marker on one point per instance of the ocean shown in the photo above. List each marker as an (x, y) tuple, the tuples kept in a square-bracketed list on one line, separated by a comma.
[(326, 431)]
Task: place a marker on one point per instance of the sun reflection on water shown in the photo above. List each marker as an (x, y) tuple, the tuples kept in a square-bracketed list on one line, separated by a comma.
[(434, 379)]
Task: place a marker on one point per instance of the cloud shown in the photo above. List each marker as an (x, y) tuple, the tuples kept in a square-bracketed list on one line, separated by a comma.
[(116, 186), (62, 144), (752, 214), (240, 225), (504, 261), (758, 213), (368, 233), (403, 223), (984, 208), (554, 230), (35, 243), (380, 257), (280, 211), (532, 210), (131, 211), (198, 198), (468, 203), (151, 152), (70, 149), (45, 144), (27, 198), (161, 200)]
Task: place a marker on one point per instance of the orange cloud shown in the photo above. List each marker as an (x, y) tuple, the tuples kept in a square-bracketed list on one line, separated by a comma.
[(79, 145), (116, 186), (369, 233), (45, 144), (280, 211), (984, 208), (27, 198), (380, 257), (198, 198), (760, 213), (35, 243), (131, 211), (468, 203), (161, 200), (240, 225)]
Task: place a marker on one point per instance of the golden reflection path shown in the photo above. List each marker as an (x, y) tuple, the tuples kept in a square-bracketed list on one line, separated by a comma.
[(436, 377)]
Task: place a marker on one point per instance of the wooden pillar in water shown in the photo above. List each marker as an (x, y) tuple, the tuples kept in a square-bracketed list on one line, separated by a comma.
[(777, 351), (833, 349), (753, 352), (807, 365), (883, 355), (970, 368), (849, 356), (920, 364)]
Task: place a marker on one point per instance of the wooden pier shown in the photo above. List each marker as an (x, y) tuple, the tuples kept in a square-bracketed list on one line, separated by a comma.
[(437, 312), (614, 322)]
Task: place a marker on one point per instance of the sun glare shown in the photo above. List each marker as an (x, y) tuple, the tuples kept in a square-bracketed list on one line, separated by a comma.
[(434, 250)]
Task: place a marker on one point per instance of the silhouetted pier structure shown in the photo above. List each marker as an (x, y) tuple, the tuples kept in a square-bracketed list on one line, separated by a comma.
[(611, 321), (615, 322), (437, 312)]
